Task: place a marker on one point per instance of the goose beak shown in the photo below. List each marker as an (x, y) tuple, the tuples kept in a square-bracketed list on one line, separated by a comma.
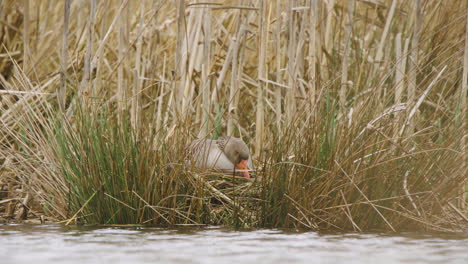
[(243, 165)]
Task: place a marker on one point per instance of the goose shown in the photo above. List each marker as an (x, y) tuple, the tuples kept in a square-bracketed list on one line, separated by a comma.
[(228, 154)]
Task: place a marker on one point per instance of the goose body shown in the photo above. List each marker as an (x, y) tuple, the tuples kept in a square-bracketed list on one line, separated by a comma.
[(228, 154)]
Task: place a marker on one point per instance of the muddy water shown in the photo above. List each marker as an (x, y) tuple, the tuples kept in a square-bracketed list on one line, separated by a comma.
[(59, 244)]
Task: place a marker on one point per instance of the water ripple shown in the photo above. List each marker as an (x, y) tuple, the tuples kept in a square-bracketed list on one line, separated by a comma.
[(59, 244)]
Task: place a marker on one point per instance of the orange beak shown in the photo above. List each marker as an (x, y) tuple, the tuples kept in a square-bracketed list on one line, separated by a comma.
[(243, 165)]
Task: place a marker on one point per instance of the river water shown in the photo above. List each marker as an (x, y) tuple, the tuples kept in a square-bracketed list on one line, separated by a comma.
[(35, 244)]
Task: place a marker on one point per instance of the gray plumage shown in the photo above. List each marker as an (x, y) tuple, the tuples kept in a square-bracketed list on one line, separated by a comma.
[(222, 154)]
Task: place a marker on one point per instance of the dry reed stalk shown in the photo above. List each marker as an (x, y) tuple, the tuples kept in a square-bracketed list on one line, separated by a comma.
[(464, 84), (234, 85), (290, 102), (9, 116), (64, 56), (400, 69), (347, 211), (152, 207), (327, 39), (160, 95), (413, 63), (223, 72), (180, 56), (240, 68), (194, 30), (303, 212), (74, 217), (463, 110), (381, 63), (26, 35), (313, 35), (86, 84), (418, 103), (104, 19), (160, 98), (299, 53), (408, 194), (205, 75), (22, 213), (263, 38), (229, 59), (117, 19), (344, 65), (388, 22), (80, 22), (279, 79), (189, 52), (136, 109), (456, 210), (122, 48)]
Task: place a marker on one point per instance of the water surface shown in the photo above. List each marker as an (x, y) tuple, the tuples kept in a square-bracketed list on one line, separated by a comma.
[(59, 244)]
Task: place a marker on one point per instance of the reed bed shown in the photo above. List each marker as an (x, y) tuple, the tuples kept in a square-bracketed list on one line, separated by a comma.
[(354, 111)]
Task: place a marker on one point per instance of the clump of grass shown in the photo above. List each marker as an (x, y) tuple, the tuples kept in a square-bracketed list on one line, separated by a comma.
[(97, 170), (332, 175), (107, 169)]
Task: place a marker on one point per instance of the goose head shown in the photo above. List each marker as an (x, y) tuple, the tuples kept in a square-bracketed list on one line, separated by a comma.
[(237, 152)]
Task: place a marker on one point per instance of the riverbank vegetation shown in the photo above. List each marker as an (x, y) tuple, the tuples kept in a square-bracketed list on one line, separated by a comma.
[(354, 111)]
